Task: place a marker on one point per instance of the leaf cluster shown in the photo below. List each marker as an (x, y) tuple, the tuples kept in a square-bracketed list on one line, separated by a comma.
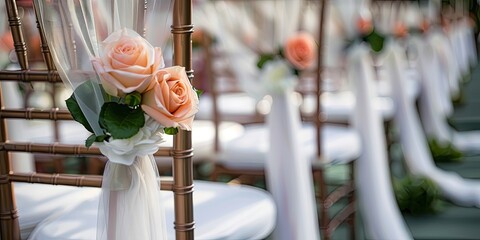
[(417, 195), (119, 118), (444, 152)]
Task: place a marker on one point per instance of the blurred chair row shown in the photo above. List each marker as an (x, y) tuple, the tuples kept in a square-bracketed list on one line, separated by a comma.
[(230, 133), (27, 211)]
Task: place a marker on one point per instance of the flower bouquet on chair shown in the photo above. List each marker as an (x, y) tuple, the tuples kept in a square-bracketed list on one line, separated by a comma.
[(125, 96), (263, 42)]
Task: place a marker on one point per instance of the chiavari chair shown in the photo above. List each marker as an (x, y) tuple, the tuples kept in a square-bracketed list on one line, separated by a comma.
[(221, 210), (326, 145)]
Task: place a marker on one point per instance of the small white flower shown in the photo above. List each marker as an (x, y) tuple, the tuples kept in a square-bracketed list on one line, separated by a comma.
[(277, 76)]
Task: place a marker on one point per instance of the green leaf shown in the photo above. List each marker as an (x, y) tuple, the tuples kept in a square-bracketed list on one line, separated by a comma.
[(90, 140), (120, 120), (198, 92), (444, 152), (171, 130), (375, 40), (417, 195), (93, 138), (77, 113), (263, 59), (133, 99)]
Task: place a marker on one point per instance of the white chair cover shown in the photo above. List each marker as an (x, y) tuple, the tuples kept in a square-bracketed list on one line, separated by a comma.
[(442, 46), (378, 207), (415, 148), (289, 173), (432, 113), (430, 102), (464, 46)]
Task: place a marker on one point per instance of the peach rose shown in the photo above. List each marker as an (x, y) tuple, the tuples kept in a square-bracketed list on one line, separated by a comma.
[(400, 30), (364, 26), (424, 25), (172, 100), (127, 63), (300, 50)]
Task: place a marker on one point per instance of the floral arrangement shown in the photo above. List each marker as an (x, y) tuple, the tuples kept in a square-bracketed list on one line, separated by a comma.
[(366, 32), (401, 30), (279, 69), (142, 97)]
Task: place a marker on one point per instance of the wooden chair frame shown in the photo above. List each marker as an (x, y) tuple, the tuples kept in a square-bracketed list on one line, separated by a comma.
[(181, 152)]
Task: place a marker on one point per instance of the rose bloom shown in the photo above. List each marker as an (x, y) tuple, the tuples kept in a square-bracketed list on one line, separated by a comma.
[(172, 100), (300, 50), (400, 30), (364, 25), (127, 63), (424, 25)]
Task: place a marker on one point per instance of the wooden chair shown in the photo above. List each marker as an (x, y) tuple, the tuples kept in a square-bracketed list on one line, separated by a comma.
[(325, 144), (215, 203)]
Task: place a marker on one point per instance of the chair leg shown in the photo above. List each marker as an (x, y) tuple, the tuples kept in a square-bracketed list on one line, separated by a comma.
[(322, 193), (351, 199)]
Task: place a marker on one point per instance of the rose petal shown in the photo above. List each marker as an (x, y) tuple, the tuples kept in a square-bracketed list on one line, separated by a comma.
[(162, 119), (159, 62)]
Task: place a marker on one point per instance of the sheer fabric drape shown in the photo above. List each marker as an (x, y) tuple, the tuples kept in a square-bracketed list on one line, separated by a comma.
[(130, 206)]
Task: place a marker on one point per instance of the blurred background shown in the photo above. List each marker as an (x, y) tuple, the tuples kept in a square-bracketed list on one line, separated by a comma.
[(441, 76)]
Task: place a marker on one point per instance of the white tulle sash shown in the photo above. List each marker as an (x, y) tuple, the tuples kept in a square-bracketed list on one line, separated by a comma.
[(130, 205)]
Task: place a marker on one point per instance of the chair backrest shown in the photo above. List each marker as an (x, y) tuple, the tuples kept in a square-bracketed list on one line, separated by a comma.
[(222, 80), (181, 152)]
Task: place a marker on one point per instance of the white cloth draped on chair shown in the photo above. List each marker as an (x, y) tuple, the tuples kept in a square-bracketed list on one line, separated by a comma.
[(288, 168), (463, 44), (378, 207), (289, 172), (417, 154), (441, 43), (432, 112)]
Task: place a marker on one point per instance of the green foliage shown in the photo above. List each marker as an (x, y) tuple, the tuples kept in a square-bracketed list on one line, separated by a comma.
[(444, 152), (77, 113), (198, 92), (264, 58), (120, 120), (375, 40), (171, 130), (417, 195), (93, 138), (133, 99)]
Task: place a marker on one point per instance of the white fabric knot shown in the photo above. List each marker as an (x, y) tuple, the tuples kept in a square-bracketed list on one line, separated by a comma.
[(145, 142)]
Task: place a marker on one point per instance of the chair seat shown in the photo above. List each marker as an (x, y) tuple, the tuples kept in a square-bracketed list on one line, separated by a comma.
[(467, 141), (339, 145), (339, 106), (35, 206), (228, 104), (221, 212)]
